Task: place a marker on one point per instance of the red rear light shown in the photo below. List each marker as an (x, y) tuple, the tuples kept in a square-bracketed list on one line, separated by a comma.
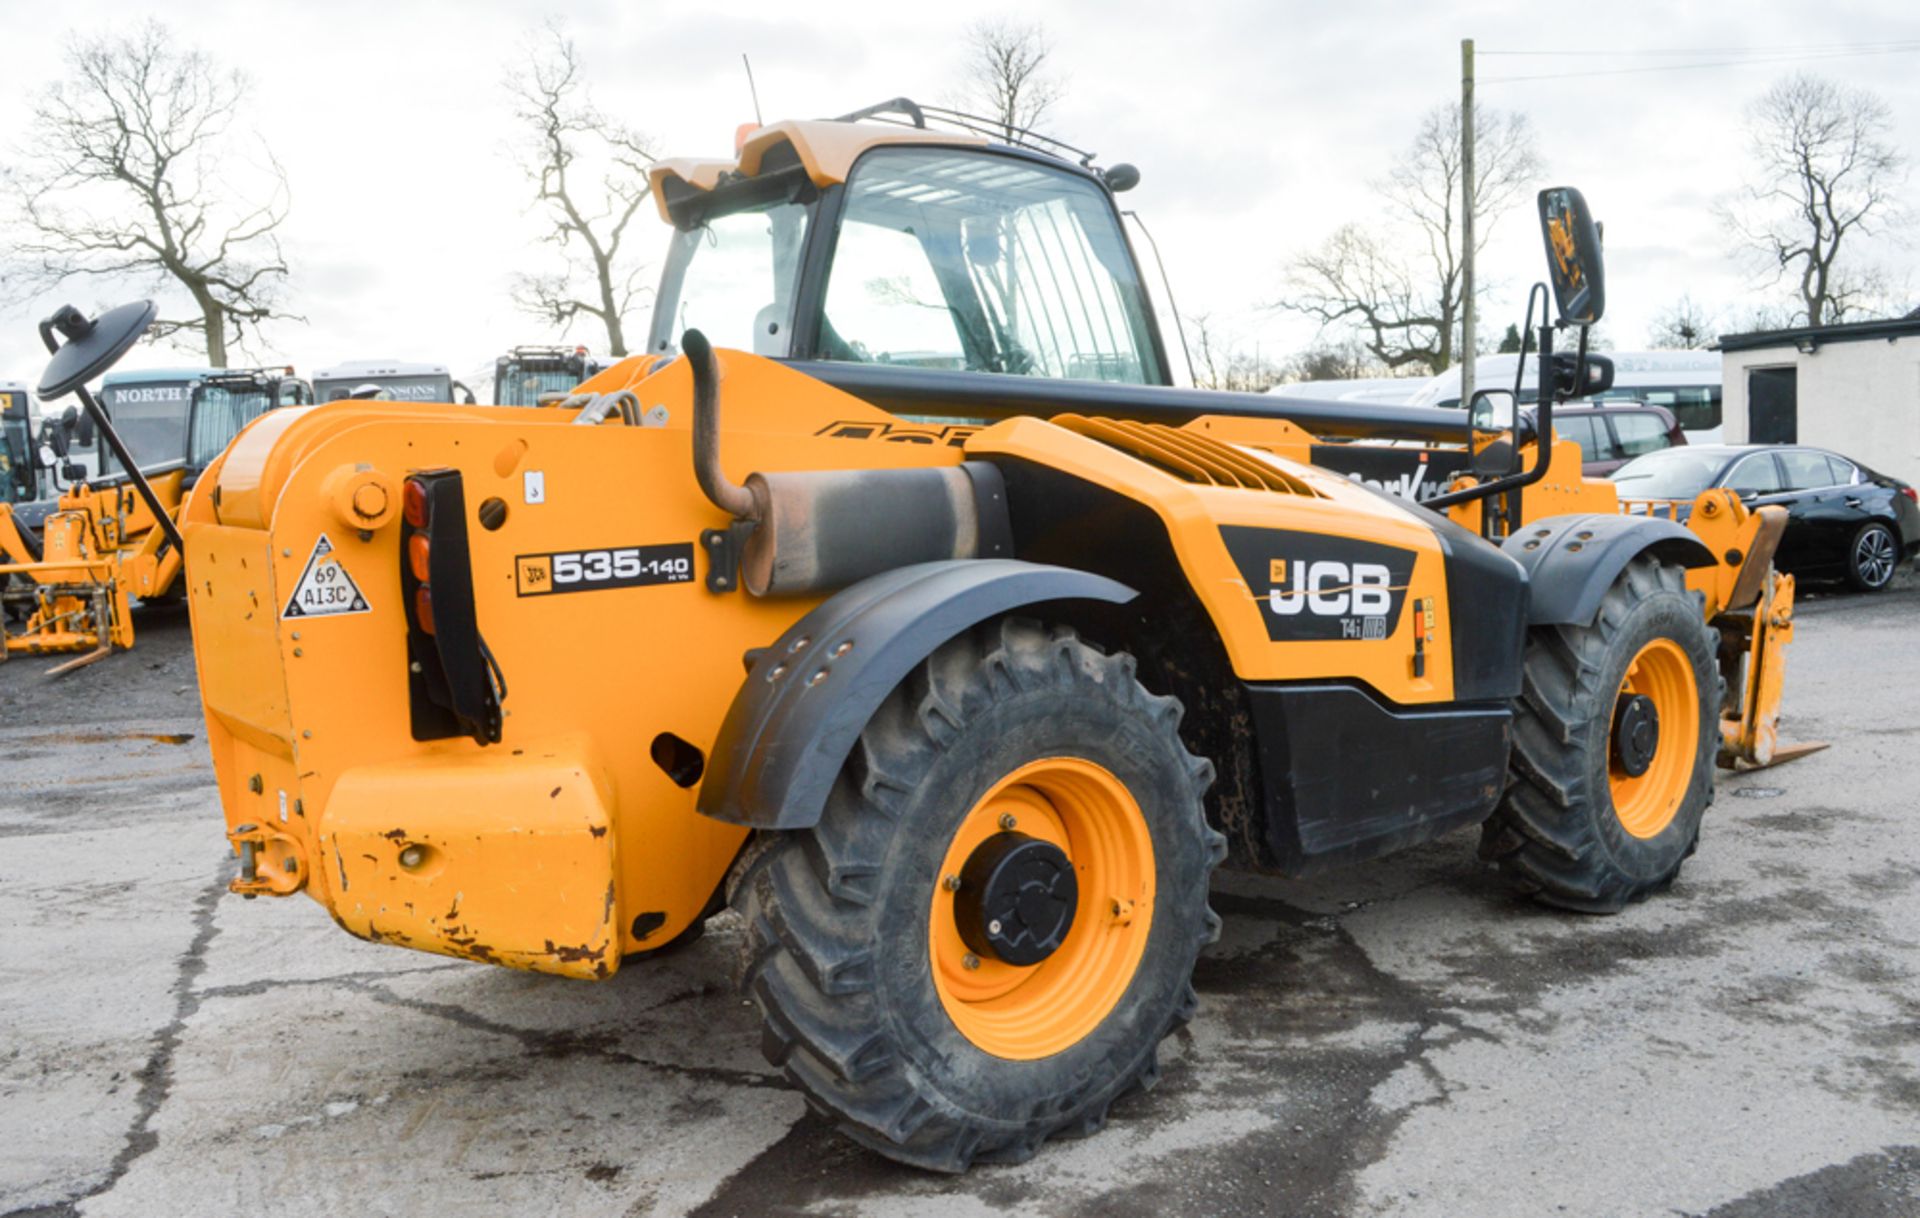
[(413, 503), (423, 608), (1910, 493), (419, 550)]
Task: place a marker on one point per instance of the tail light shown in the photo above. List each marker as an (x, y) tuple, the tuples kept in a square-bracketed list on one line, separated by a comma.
[(1910, 493), (420, 558), (454, 685)]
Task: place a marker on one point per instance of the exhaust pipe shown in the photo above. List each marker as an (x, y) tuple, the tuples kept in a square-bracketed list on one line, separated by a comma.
[(819, 530), (730, 497)]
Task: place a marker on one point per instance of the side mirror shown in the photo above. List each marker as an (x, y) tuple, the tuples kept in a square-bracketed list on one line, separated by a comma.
[(1491, 410), (1574, 263), (1566, 375), (92, 346)]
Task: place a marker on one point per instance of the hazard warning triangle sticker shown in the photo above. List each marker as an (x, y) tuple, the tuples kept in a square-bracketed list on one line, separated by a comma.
[(325, 589)]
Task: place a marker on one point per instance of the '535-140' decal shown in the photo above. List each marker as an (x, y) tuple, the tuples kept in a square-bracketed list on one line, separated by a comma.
[(594, 570)]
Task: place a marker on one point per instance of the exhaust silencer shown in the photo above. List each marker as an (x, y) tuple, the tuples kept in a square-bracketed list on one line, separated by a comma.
[(819, 530)]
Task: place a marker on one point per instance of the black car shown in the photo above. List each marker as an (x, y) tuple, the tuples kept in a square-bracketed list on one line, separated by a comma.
[(1843, 519)]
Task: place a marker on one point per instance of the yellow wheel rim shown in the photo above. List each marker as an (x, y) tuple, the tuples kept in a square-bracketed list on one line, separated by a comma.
[(1647, 803), (1024, 1013)]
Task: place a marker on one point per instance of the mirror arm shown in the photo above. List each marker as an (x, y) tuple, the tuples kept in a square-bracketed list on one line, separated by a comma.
[(1543, 442), (112, 437)]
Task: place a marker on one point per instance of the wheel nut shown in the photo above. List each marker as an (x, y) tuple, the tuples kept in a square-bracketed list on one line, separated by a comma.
[(1007, 821), (951, 883), (993, 927), (970, 961), (413, 856)]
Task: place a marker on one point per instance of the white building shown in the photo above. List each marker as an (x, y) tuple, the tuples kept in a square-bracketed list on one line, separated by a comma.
[(1853, 388)]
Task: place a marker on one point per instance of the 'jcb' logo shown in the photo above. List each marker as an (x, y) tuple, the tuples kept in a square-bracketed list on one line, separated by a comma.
[(1313, 587), (1331, 588)]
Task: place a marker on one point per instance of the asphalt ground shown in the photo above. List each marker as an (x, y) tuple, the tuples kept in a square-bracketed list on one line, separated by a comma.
[(1405, 1038)]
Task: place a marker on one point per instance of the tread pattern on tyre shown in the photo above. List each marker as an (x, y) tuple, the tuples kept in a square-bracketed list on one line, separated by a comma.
[(807, 905), (1545, 831)]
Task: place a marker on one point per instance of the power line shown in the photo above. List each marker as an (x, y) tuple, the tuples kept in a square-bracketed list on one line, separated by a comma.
[(1794, 49), (1719, 63)]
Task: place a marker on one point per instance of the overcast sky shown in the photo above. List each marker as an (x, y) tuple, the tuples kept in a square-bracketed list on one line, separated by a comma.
[(1256, 125)]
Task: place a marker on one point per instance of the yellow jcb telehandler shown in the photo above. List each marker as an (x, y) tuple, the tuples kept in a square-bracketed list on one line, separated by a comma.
[(905, 605), (112, 537)]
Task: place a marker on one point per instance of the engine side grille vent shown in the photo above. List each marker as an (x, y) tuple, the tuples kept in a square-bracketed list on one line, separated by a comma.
[(1185, 455)]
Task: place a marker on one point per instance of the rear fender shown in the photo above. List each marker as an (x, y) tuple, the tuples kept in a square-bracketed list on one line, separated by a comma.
[(1571, 561), (808, 697)]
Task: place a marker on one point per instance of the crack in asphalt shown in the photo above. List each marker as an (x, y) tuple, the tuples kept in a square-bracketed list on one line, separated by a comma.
[(560, 1043), (156, 1076)]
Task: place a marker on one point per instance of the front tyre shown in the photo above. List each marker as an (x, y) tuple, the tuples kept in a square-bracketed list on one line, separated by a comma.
[(1614, 737), (995, 922)]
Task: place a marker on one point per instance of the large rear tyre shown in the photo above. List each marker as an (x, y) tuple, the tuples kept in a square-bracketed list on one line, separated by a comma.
[(993, 926), (1614, 737)]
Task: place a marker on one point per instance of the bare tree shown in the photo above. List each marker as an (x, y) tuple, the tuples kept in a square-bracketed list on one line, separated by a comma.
[(1007, 77), (134, 174), (1397, 286), (590, 176), (1824, 175), (1344, 361), (1221, 361), (1684, 325)]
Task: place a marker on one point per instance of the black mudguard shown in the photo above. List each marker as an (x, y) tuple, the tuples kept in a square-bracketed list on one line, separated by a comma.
[(808, 697), (1571, 561)]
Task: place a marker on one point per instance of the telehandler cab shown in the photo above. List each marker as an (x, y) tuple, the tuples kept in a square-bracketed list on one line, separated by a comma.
[(957, 681), (111, 536), (525, 375)]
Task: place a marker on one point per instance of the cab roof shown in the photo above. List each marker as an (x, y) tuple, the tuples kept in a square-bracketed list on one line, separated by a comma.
[(825, 148), (143, 376), (349, 369)]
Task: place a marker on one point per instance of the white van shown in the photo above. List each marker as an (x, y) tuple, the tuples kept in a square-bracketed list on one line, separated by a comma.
[(1685, 382), (1382, 390)]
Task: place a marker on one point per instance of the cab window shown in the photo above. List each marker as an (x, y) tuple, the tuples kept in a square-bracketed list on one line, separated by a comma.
[(1756, 475), (984, 262)]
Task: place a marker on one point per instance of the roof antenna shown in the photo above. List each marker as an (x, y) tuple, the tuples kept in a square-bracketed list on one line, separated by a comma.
[(758, 121)]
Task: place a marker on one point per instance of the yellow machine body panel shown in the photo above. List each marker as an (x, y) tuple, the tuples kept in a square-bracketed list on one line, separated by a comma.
[(1240, 593), (309, 716)]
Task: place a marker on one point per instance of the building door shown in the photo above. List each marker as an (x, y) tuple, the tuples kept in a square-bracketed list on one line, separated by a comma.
[(1773, 406)]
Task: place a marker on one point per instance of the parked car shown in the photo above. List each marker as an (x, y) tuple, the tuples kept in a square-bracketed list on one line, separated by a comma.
[(1843, 519), (1612, 435)]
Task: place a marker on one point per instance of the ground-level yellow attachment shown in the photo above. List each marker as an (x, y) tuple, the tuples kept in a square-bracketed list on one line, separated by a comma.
[(1646, 802), (1024, 1013)]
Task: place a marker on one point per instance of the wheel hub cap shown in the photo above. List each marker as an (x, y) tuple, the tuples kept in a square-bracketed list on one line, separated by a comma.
[(1017, 898), (1636, 733)]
